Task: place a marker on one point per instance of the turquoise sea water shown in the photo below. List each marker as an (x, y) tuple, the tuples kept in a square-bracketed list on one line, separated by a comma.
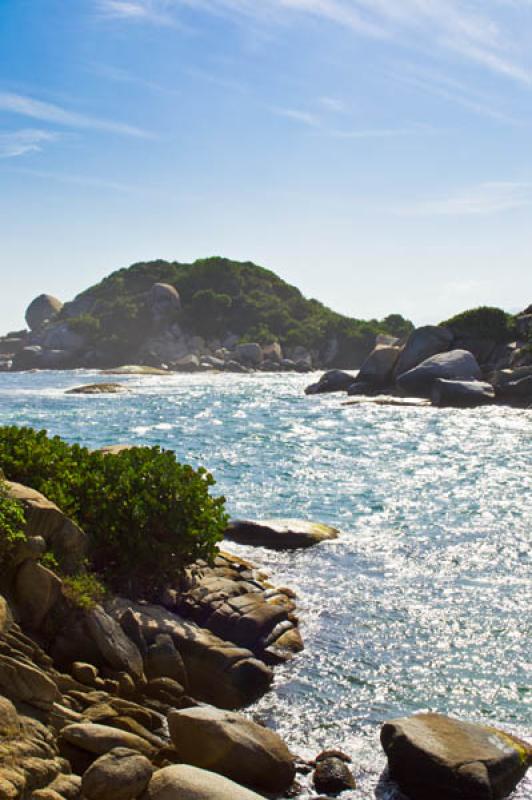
[(424, 601)]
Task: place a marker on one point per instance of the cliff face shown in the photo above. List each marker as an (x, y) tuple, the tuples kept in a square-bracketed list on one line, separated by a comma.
[(174, 314)]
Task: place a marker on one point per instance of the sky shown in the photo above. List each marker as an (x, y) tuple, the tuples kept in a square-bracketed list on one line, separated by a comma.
[(375, 153)]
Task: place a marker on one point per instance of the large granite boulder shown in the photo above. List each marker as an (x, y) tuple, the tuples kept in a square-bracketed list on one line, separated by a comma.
[(28, 358), (461, 393), (37, 589), (218, 671), (332, 775), (434, 756), (100, 739), (164, 302), (182, 782), (61, 337), (422, 344), (249, 353), (43, 308), (454, 365), (44, 520), (116, 649), (234, 746), (519, 390), (378, 368), (279, 534), (120, 774), (335, 380), (25, 682)]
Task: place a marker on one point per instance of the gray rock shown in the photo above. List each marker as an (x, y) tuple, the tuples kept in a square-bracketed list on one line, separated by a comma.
[(43, 308), (116, 649), (213, 362), (335, 380), (436, 757), (61, 337), (249, 353), (120, 774), (378, 368), (461, 393), (332, 775), (99, 388), (279, 534), (164, 302), (453, 365), (182, 782), (235, 366), (10, 347), (189, 363), (28, 358), (162, 660), (301, 356), (273, 352), (56, 359), (517, 390), (234, 746), (422, 344)]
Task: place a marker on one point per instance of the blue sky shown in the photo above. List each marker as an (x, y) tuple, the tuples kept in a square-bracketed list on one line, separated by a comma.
[(376, 153)]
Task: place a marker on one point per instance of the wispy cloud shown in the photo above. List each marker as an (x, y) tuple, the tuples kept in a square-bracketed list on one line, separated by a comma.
[(87, 181), (48, 112), (491, 197), (295, 114), (17, 143), (332, 104), (479, 33), (119, 75)]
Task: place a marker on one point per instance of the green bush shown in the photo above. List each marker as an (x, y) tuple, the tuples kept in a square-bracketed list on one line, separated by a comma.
[(147, 516), (485, 322), (83, 590), (12, 524)]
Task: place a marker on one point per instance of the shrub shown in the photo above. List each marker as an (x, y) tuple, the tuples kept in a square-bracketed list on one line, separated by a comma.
[(12, 524), (147, 516), (83, 590), (485, 322)]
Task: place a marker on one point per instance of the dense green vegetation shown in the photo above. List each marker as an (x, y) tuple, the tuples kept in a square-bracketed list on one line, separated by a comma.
[(220, 296), (485, 322), (12, 525), (147, 516)]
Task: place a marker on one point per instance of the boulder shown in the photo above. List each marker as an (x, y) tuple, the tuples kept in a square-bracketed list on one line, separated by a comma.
[(249, 353), (482, 349), (162, 660), (386, 339), (183, 782), (234, 746), (378, 368), (6, 618), (332, 775), (116, 649), (189, 363), (10, 347), (36, 591), (100, 739), (120, 774), (279, 534), (164, 302), (422, 344), (218, 671), (43, 308), (302, 356), (98, 388), (28, 358), (44, 519), (273, 352), (61, 337), (135, 369), (235, 366), (335, 380), (453, 365), (27, 683), (461, 393), (9, 720), (519, 390), (57, 359), (434, 756)]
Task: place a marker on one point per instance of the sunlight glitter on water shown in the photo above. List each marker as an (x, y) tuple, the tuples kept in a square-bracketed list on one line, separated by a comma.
[(423, 603)]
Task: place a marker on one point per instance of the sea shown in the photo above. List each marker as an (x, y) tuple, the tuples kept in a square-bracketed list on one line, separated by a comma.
[(423, 602)]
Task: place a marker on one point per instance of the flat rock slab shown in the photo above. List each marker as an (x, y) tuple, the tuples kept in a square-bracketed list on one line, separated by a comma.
[(181, 782), (98, 388), (279, 534), (434, 756)]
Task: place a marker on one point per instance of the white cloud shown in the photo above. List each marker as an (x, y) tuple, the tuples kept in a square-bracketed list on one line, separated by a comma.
[(88, 181), (297, 115), (17, 143), (47, 112), (491, 197)]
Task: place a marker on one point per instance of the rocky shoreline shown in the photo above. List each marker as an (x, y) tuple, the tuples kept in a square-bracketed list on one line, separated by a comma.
[(136, 700)]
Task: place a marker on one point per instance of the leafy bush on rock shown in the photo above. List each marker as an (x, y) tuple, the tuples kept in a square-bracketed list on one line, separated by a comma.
[(12, 524), (147, 515), (484, 322)]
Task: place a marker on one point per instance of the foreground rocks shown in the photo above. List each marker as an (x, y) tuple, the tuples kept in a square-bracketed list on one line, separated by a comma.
[(433, 756), (182, 782), (233, 746), (279, 534)]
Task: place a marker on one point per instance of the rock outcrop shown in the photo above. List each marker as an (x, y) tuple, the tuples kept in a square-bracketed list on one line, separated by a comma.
[(455, 365), (422, 344), (430, 755), (279, 534), (43, 309), (190, 783)]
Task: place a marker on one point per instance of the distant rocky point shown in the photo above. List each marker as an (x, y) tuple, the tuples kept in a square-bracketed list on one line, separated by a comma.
[(214, 314)]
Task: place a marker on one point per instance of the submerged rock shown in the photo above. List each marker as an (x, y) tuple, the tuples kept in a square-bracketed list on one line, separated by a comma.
[(98, 388), (233, 746), (279, 534), (434, 756), (332, 775), (455, 365)]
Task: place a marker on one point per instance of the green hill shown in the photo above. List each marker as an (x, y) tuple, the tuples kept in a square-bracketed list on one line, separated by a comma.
[(218, 297)]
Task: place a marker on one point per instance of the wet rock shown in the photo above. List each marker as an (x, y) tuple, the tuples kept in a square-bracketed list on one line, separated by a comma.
[(457, 365), (332, 775), (121, 774), (234, 746), (279, 534), (99, 388), (335, 380), (431, 755), (461, 393), (190, 783)]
